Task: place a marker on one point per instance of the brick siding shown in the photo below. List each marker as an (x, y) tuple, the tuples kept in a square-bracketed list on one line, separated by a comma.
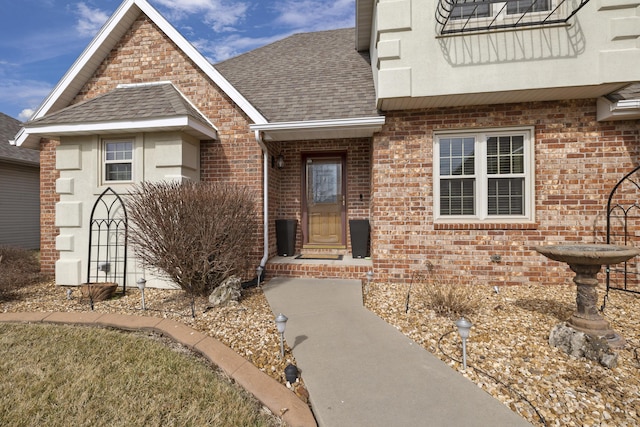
[(577, 162)]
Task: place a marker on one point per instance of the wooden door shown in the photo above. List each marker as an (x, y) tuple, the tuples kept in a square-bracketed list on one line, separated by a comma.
[(324, 201)]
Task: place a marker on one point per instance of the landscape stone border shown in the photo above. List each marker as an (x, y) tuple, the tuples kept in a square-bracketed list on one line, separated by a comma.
[(280, 400)]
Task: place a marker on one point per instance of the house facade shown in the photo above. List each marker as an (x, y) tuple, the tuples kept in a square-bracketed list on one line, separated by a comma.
[(19, 190), (464, 134)]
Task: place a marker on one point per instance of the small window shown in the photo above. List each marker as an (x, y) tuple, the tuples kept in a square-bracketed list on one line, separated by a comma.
[(118, 160), (470, 10), (525, 6), (484, 175)]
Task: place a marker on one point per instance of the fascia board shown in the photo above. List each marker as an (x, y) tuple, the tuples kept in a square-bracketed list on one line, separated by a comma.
[(103, 36), (201, 61), (321, 124), (628, 109), (181, 122), (93, 47)]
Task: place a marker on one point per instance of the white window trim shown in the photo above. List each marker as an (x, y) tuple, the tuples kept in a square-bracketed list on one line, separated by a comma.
[(104, 161), (481, 176), (505, 18)]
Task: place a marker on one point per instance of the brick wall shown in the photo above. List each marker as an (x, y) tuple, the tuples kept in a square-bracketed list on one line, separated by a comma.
[(577, 159), (48, 199), (145, 54), (358, 178)]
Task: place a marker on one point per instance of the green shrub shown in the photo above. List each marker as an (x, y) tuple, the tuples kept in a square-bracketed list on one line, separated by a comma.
[(195, 234), (18, 267)]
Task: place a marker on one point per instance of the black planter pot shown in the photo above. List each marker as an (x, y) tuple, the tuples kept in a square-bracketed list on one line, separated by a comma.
[(359, 230), (286, 236)]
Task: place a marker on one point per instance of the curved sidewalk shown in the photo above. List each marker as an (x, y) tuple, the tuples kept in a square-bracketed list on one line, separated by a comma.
[(281, 401), (361, 371)]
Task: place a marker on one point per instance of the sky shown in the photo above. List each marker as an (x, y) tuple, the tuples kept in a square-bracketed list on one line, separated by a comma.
[(40, 39)]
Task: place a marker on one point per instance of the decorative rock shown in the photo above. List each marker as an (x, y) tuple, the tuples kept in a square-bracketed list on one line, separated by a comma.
[(229, 290), (578, 344)]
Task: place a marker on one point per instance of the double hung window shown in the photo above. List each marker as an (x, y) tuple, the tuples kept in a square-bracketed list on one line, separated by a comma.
[(479, 9), (484, 175), (118, 160)]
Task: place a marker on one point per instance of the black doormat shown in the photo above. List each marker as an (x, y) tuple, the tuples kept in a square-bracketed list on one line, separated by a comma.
[(326, 257)]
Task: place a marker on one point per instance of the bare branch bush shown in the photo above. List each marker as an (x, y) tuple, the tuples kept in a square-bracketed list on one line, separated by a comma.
[(446, 296), (18, 267), (195, 234)]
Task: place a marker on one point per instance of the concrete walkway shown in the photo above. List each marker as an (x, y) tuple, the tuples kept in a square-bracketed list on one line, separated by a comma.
[(360, 371)]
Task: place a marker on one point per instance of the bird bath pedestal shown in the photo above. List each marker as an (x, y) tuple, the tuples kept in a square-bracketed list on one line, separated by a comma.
[(585, 260)]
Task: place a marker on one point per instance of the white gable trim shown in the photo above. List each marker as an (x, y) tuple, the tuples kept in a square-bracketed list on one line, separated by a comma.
[(107, 37)]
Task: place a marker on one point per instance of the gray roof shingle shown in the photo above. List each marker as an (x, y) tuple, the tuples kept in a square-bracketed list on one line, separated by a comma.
[(152, 101), (9, 127), (309, 76)]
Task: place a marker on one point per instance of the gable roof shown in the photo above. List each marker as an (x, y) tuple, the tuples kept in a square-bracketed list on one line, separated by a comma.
[(308, 76), (8, 128), (129, 108), (108, 36)]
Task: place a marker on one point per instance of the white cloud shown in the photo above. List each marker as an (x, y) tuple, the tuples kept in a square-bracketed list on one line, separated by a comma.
[(22, 95), (228, 47), (26, 114), (90, 20), (219, 14), (313, 15)]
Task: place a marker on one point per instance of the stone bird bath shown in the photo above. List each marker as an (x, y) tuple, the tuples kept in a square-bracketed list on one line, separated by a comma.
[(586, 260)]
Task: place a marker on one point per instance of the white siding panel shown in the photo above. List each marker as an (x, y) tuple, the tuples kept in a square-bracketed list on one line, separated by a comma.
[(19, 206)]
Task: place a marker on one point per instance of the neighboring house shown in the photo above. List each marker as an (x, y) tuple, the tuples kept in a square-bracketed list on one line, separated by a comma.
[(19, 190), (461, 132)]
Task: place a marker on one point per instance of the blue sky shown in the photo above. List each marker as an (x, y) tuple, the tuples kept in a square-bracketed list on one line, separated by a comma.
[(40, 39)]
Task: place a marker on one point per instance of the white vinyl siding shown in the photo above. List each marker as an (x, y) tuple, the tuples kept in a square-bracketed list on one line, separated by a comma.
[(19, 206)]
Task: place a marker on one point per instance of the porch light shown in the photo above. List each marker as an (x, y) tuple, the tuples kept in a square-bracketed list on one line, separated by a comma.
[(464, 326), (281, 323), (141, 285), (280, 161)]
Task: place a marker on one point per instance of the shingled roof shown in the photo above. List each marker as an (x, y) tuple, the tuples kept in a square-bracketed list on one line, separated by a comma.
[(8, 129), (126, 102), (309, 76)]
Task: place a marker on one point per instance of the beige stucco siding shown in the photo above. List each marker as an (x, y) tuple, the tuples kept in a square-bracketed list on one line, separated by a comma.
[(156, 157)]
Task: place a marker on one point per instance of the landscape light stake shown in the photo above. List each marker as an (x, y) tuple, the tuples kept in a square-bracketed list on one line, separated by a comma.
[(463, 329), (259, 270), (141, 284), (281, 322)]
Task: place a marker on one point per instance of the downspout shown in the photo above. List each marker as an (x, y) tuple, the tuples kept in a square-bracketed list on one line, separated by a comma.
[(265, 208)]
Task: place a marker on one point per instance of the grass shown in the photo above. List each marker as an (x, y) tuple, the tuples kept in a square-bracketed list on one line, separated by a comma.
[(64, 375)]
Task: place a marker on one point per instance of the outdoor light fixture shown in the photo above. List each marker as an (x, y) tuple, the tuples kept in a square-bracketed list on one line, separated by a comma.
[(281, 323), (291, 373), (141, 284), (463, 329), (280, 161), (259, 271)]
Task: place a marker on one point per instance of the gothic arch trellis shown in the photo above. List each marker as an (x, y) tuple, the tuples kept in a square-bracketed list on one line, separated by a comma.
[(623, 228), (108, 240)]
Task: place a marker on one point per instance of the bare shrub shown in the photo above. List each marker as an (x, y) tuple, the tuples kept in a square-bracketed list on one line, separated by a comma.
[(196, 234), (446, 296), (18, 267)]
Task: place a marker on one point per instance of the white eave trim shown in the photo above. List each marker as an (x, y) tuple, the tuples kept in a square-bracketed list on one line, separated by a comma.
[(373, 124), (103, 37), (182, 123), (628, 109)]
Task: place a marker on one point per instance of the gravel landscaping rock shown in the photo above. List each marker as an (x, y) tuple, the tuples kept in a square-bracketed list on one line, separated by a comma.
[(508, 353)]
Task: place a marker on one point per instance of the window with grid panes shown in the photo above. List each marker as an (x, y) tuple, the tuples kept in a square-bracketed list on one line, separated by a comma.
[(118, 160), (483, 175)]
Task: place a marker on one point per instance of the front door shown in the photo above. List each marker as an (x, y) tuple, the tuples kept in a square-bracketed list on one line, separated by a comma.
[(324, 204)]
